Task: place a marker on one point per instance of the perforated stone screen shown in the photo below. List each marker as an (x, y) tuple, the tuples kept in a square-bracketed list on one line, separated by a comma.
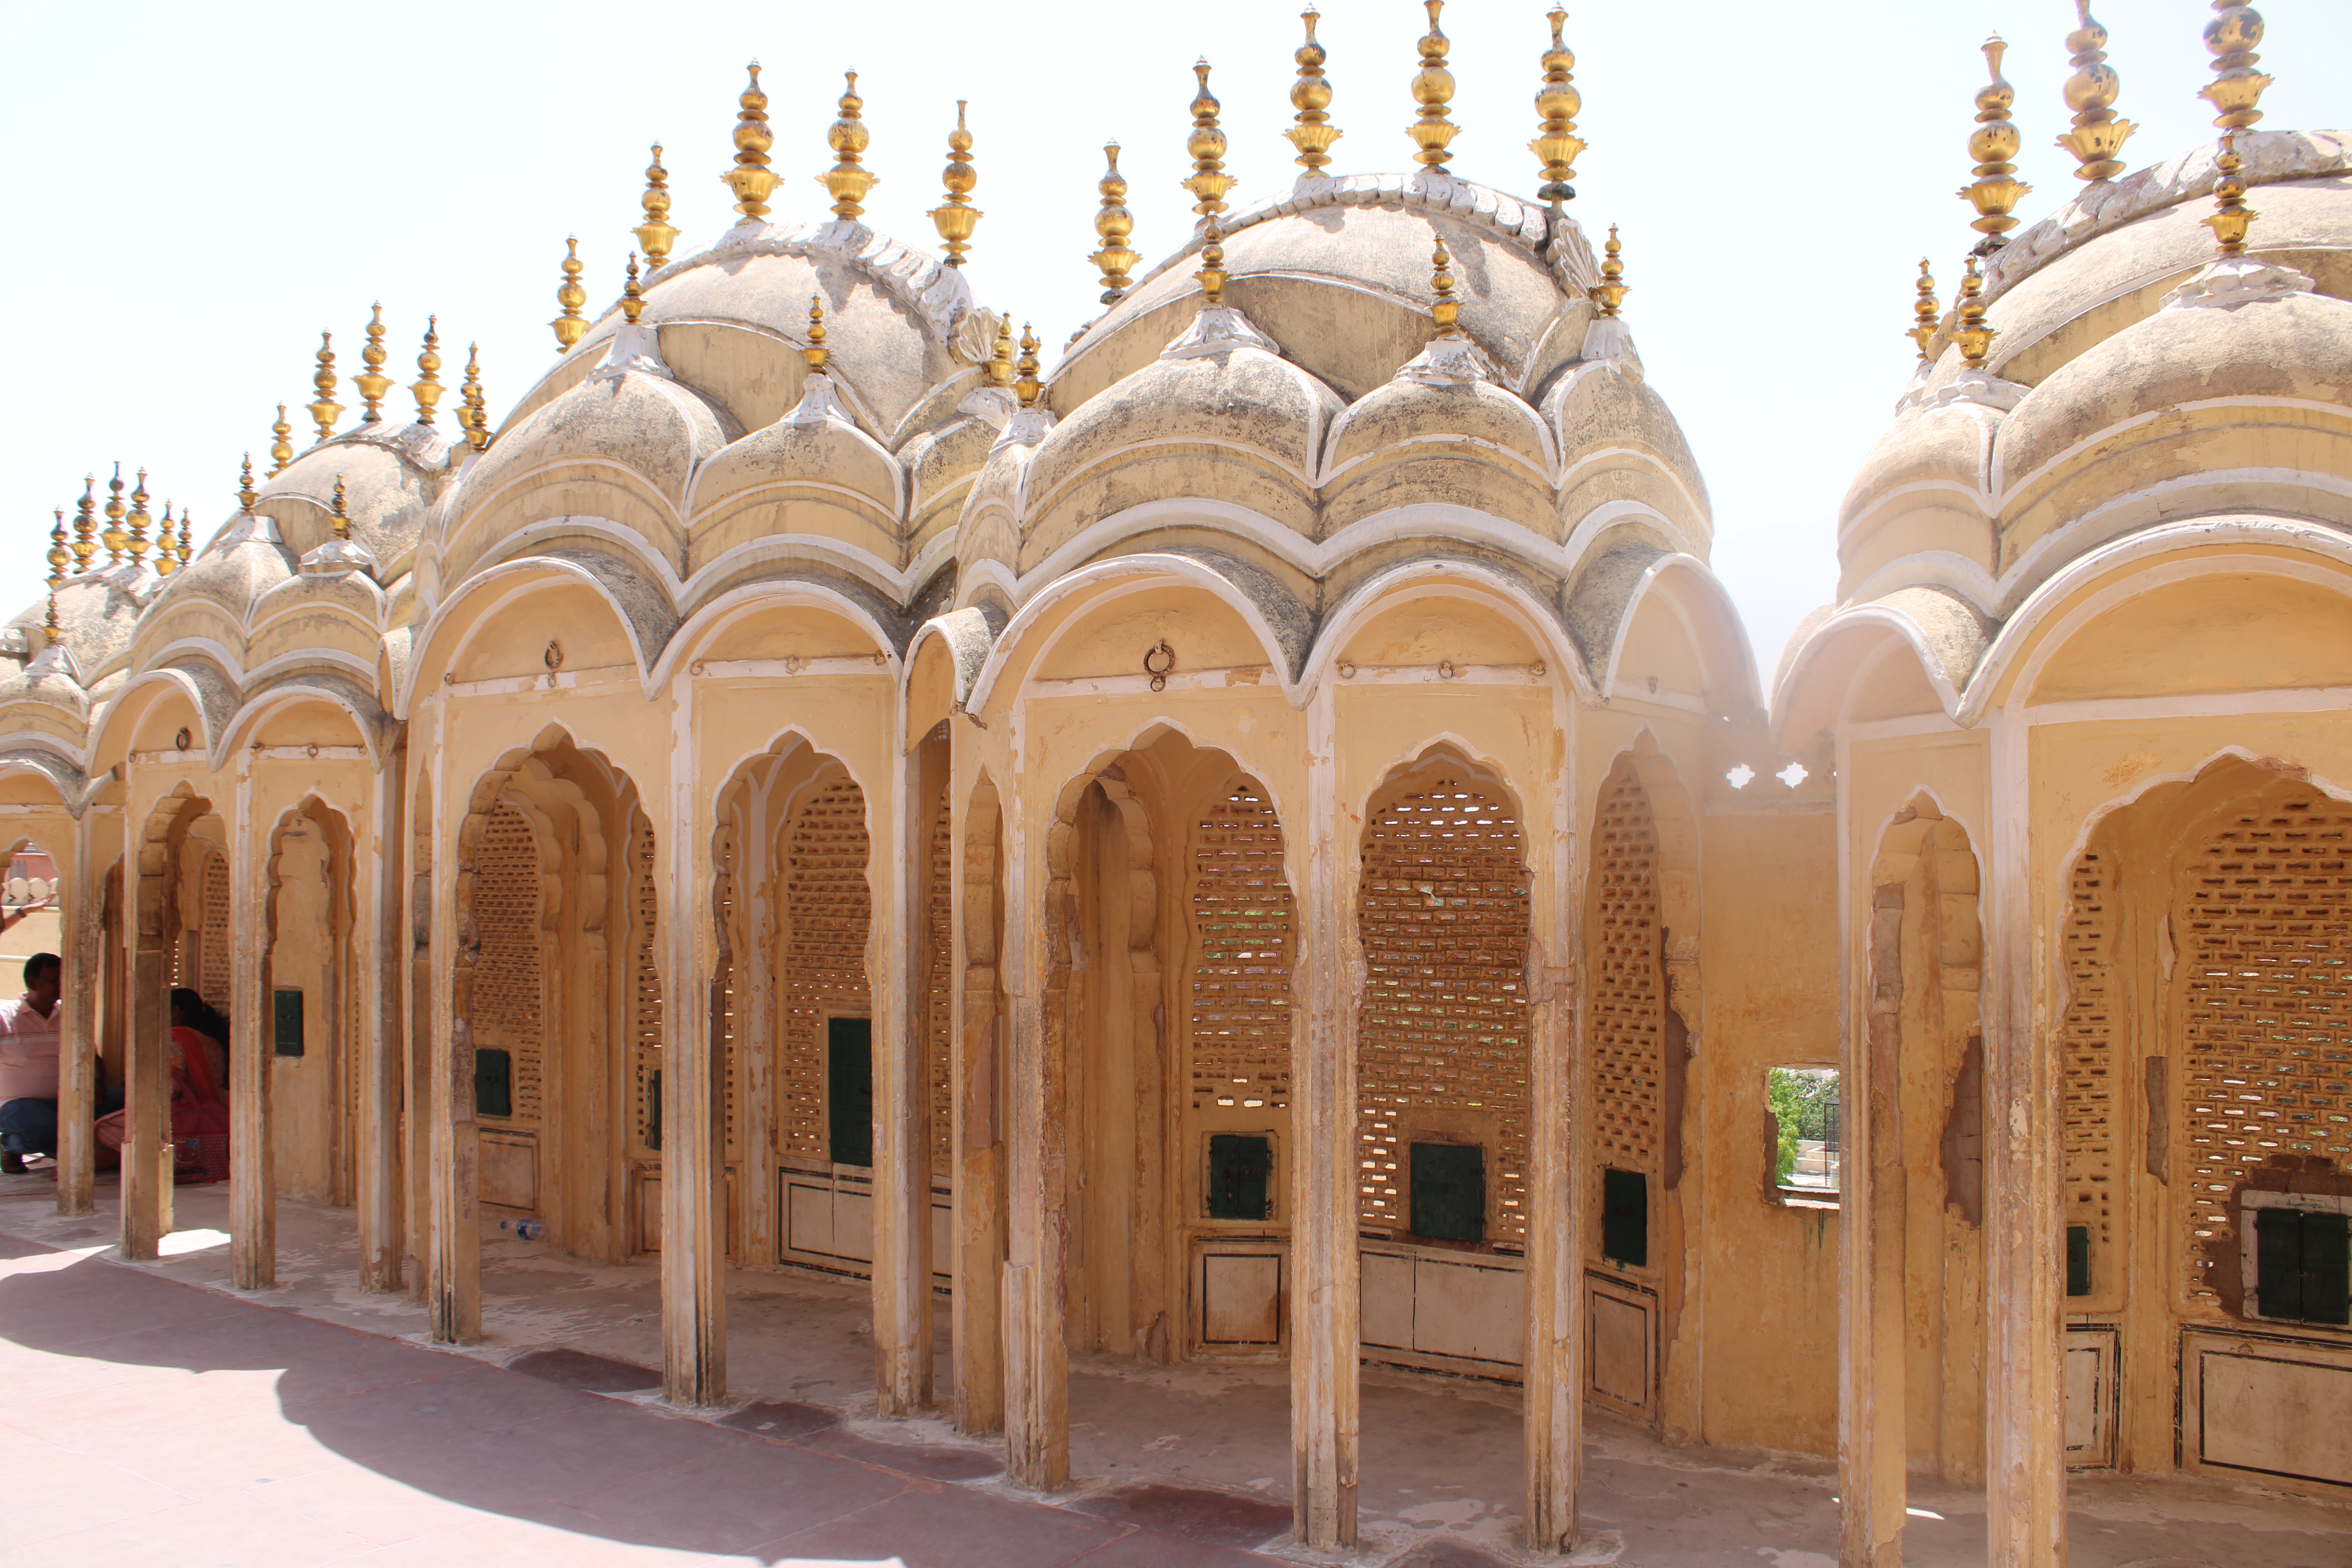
[(645, 992), (939, 994), (2086, 1038), (210, 975), (1625, 999), (1443, 912), (509, 967), (1239, 1034), (828, 909), (2264, 923)]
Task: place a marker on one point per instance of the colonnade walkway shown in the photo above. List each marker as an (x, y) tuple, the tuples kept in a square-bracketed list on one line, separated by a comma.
[(151, 1408)]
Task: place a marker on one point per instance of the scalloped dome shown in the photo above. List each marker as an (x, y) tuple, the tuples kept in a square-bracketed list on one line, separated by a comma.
[(1412, 443), (389, 486), (791, 477), (1619, 442)]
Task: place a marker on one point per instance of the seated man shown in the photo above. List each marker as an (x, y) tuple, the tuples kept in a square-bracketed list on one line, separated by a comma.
[(28, 1065)]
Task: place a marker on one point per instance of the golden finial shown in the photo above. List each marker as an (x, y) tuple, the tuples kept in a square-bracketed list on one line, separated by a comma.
[(2098, 135), (372, 381), (1992, 145), (848, 179), (2231, 216), (326, 410), (1208, 184), (139, 521), (281, 444), (1970, 332), (750, 179), (815, 352), (1311, 95), (247, 497), (1113, 224), (1557, 144), (1433, 89), (1925, 311), (1025, 384), (186, 553), (115, 536), (477, 417), (571, 294), (1611, 290), (1443, 308), (2233, 36), (428, 386), (60, 557), (341, 520), (656, 234), (957, 217), (85, 534), (633, 299), (999, 361), (164, 563)]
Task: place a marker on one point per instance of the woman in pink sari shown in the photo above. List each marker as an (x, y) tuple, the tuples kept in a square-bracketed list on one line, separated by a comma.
[(199, 1113)]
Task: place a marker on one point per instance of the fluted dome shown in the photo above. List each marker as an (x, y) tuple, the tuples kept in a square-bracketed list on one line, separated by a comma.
[(389, 484)]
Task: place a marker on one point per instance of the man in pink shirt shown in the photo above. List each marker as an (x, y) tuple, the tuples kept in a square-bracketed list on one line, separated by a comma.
[(28, 1065)]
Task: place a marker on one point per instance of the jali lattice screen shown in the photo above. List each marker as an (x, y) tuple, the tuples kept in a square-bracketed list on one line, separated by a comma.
[(1625, 998), (1240, 979), (828, 910), (2086, 1039), (509, 968), (1442, 913)]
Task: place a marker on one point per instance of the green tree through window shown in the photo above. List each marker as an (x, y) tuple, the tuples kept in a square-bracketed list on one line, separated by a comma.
[(1804, 1106)]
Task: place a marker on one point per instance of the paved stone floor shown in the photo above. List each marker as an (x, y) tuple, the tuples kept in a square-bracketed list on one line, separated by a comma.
[(154, 1411)]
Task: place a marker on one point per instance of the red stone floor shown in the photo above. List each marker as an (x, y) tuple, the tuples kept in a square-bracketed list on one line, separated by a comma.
[(149, 1422)]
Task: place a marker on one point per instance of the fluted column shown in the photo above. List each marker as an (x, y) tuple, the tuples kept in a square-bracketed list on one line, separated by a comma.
[(1036, 1355), (694, 1097), (902, 1147), (454, 1287), (82, 965), (253, 1176), (1872, 1433), (147, 1070), (1558, 1135), (381, 973)]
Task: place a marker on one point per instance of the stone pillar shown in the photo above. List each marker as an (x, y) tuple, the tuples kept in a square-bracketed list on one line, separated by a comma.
[(83, 965), (694, 1091), (2025, 1446), (902, 1146), (147, 1074), (1873, 1435), (977, 1309), (381, 954), (453, 1285), (1036, 1355), (1325, 1306), (1557, 1181), (253, 1166)]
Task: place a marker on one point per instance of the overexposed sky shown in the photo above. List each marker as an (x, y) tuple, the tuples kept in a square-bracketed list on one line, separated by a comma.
[(196, 191)]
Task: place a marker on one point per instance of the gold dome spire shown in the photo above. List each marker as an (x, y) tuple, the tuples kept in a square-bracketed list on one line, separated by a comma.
[(1993, 145), (1000, 360), (1025, 383), (816, 353), (372, 381), (750, 179), (281, 443), (2231, 216), (325, 411), (1970, 332), (956, 219), (1433, 89), (656, 234), (1113, 224), (1925, 311), (338, 517), (571, 294), (165, 562), (85, 534), (428, 386), (1443, 308), (1556, 145), (247, 497), (57, 557), (1611, 290), (115, 536), (848, 179), (633, 299), (475, 419), (186, 553), (2091, 92), (1311, 95), (138, 521), (2236, 89), (1209, 184)]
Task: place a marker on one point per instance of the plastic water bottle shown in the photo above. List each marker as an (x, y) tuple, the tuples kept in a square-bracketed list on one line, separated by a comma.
[(525, 1229)]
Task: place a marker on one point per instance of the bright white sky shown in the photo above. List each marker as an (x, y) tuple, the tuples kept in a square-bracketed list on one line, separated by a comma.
[(198, 190)]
